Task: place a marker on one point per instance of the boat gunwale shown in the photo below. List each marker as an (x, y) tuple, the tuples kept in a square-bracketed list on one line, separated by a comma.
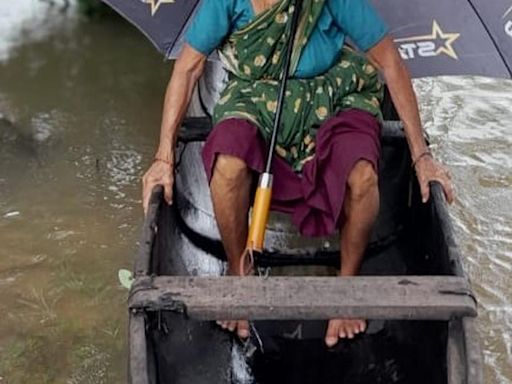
[(472, 354)]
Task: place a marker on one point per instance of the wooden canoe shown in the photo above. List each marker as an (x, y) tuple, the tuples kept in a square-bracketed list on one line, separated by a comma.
[(413, 290)]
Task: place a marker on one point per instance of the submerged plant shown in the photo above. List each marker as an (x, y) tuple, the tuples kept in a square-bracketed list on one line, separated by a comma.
[(90, 366), (43, 306)]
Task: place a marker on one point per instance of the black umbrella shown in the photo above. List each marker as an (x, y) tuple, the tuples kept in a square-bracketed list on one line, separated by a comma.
[(452, 37), (435, 37), (161, 21)]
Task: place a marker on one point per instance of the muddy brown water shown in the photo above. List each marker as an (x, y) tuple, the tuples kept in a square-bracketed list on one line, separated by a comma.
[(79, 116)]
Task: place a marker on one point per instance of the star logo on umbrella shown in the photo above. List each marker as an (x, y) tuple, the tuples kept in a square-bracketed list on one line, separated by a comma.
[(155, 4), (507, 16), (434, 44)]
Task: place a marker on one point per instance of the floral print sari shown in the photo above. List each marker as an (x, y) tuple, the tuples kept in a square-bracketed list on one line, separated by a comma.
[(254, 56)]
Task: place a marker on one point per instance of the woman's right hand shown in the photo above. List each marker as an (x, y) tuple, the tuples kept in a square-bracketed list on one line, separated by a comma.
[(186, 71), (160, 173)]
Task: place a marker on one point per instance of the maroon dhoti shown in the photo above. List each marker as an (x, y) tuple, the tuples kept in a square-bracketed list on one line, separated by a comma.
[(315, 196)]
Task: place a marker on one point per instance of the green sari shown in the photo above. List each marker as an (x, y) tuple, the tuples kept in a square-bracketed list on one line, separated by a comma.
[(254, 56)]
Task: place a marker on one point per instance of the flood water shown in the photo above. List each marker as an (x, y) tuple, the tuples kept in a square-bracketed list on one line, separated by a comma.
[(79, 117)]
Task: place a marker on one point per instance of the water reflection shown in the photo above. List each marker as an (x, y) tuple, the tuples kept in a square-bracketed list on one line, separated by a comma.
[(79, 114), (79, 119)]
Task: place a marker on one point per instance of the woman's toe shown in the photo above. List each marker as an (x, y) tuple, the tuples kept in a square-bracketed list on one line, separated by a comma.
[(231, 326), (332, 334), (243, 329)]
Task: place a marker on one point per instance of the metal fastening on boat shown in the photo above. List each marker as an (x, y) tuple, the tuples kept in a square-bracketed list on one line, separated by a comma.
[(264, 272)]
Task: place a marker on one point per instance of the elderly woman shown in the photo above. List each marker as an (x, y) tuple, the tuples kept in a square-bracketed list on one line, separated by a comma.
[(328, 147)]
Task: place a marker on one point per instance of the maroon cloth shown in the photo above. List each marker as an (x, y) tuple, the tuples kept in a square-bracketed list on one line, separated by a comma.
[(314, 197)]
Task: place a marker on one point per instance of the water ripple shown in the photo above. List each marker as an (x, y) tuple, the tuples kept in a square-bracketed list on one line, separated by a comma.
[(468, 120)]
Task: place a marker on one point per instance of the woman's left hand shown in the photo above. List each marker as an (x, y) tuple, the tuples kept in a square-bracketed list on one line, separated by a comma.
[(428, 170)]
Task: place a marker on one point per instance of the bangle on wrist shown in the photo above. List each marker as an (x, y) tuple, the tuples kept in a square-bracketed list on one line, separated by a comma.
[(421, 156), (168, 162)]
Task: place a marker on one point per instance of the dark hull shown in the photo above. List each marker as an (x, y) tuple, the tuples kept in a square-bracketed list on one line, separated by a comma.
[(410, 238)]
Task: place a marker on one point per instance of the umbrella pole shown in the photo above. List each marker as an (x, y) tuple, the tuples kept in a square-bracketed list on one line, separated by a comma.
[(261, 206)]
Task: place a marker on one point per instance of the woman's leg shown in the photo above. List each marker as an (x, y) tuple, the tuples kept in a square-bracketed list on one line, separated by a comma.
[(361, 207), (230, 189)]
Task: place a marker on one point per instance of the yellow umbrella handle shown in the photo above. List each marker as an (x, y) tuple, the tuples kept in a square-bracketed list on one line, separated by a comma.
[(260, 212)]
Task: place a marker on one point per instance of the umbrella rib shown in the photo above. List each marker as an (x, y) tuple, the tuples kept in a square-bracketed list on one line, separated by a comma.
[(491, 37), (169, 48)]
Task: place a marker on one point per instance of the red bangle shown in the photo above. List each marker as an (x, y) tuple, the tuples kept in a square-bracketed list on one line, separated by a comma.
[(168, 162), (421, 156)]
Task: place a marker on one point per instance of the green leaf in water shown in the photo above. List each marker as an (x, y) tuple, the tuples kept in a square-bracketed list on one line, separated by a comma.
[(125, 278)]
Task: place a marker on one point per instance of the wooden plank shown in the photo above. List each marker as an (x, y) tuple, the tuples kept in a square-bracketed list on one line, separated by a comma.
[(198, 128), (474, 354), (149, 229), (308, 298), (195, 129), (455, 353), (138, 369)]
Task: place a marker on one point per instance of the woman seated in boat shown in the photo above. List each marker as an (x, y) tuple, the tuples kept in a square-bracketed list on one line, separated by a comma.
[(325, 171)]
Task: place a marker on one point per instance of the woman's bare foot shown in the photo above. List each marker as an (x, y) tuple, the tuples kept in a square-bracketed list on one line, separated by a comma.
[(343, 329), (240, 326), (361, 207), (245, 267)]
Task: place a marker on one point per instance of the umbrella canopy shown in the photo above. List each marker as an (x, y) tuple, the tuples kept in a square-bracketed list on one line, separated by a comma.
[(452, 37), (434, 37), (161, 21)]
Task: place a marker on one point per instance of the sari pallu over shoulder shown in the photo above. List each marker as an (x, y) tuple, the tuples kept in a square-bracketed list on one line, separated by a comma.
[(256, 51), (254, 56)]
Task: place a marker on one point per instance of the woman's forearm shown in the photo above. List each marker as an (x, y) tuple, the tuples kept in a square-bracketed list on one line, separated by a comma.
[(385, 56), (406, 104), (187, 70)]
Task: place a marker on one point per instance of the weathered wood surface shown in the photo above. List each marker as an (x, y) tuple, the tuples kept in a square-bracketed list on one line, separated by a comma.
[(198, 128), (474, 353), (308, 298), (138, 357), (149, 229), (455, 354)]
